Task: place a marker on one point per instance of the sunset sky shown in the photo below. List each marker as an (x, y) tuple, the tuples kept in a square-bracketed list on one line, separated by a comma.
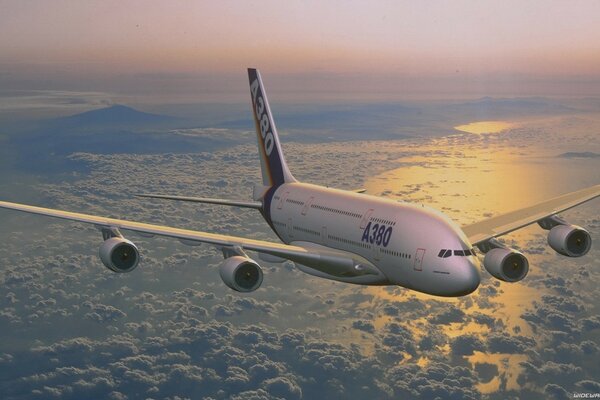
[(458, 48)]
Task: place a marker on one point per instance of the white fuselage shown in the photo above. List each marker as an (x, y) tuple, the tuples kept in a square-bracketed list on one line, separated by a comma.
[(403, 241)]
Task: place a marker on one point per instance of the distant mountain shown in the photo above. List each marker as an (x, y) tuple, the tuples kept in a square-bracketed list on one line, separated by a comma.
[(321, 122), (529, 103), (584, 154), (116, 113), (514, 106), (46, 145), (116, 116)]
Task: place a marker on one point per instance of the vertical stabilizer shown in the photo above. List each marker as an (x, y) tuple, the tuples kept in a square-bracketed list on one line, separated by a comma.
[(274, 168)]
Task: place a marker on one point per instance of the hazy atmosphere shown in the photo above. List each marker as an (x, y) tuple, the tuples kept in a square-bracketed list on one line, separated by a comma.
[(178, 50), (473, 108)]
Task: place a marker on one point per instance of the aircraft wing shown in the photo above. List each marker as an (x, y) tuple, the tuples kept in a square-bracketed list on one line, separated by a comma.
[(499, 225), (337, 262)]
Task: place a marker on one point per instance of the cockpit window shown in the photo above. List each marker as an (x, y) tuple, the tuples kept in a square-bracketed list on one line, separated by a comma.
[(445, 253)]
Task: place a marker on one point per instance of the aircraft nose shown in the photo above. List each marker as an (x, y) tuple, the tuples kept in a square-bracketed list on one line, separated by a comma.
[(470, 275)]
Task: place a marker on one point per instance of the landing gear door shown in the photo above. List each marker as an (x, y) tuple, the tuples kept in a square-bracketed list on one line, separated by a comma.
[(419, 259)]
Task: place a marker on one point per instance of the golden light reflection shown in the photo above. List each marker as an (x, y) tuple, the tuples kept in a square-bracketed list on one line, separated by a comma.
[(512, 300), (467, 180), (485, 127), (470, 178), (508, 366)]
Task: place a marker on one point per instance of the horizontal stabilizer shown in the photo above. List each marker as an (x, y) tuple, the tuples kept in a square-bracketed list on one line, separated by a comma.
[(224, 202)]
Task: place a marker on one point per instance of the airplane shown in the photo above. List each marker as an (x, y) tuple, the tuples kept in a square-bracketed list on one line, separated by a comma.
[(348, 236)]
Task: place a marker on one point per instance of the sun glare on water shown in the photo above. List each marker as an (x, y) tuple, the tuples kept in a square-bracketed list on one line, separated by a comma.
[(485, 127), (469, 178)]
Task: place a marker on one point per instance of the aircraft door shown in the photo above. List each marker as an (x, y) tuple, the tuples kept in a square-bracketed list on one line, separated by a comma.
[(376, 251), (324, 235), (365, 219), (418, 266), (290, 229), (282, 200), (307, 205)]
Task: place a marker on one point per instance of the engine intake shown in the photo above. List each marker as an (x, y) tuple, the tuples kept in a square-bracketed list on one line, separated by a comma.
[(506, 264), (241, 273), (119, 254), (569, 240)]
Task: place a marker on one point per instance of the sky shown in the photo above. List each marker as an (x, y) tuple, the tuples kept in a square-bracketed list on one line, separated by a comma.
[(429, 48)]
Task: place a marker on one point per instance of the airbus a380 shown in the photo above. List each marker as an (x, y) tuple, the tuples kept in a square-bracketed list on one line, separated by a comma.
[(349, 236)]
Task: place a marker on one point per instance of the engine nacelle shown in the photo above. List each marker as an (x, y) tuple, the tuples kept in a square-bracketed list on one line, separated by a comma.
[(569, 240), (506, 264), (241, 273), (119, 254)]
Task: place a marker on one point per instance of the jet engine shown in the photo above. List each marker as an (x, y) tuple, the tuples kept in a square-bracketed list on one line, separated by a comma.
[(570, 240), (241, 273), (119, 254), (506, 264)]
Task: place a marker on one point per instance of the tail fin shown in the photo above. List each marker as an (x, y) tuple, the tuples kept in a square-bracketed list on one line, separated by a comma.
[(274, 168)]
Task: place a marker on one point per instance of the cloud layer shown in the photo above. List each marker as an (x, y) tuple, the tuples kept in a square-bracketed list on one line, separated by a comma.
[(172, 329)]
